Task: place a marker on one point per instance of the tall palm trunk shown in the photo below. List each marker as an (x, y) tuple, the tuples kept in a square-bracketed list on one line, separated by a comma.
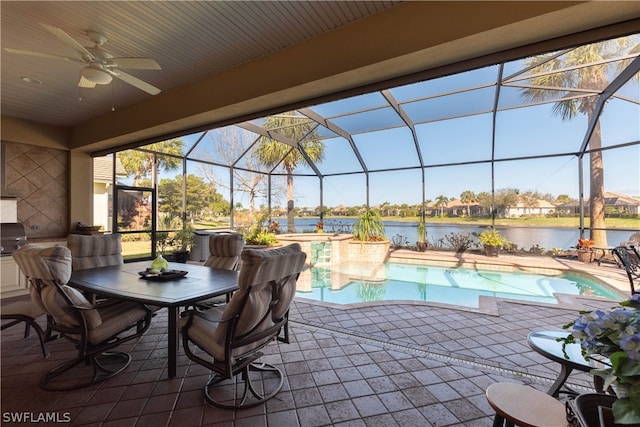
[(596, 190), (290, 216)]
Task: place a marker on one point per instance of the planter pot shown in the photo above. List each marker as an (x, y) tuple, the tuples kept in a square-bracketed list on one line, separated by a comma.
[(271, 246), (181, 256), (594, 409), (368, 252), (492, 250), (585, 256)]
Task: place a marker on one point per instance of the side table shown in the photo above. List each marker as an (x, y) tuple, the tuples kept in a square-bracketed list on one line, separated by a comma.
[(545, 343)]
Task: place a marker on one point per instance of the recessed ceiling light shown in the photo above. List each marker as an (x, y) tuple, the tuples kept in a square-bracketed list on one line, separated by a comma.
[(31, 80)]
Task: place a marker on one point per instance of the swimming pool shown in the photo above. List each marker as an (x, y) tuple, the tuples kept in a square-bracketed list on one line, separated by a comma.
[(348, 284)]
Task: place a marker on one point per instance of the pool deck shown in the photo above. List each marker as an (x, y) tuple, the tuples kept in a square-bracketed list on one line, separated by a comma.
[(382, 364)]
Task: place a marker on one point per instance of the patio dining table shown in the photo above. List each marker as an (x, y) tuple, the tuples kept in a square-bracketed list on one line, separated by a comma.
[(124, 282)]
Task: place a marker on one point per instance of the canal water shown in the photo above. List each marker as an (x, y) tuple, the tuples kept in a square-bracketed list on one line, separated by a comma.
[(546, 238)]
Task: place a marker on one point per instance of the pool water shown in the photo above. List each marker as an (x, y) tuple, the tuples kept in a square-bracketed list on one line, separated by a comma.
[(348, 284)]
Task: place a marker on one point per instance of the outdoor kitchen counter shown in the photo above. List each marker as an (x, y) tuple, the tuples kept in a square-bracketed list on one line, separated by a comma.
[(12, 281)]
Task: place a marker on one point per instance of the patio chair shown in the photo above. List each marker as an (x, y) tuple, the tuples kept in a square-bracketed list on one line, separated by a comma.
[(225, 250), (233, 337), (28, 312), (629, 258), (94, 330), (94, 251), (224, 253)]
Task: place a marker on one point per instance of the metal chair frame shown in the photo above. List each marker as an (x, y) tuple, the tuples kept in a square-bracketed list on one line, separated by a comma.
[(16, 314), (629, 257), (238, 367), (96, 355)]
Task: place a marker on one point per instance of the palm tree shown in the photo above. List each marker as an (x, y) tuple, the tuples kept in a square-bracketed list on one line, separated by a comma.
[(140, 164), (484, 200), (585, 67), (271, 152), (441, 202), (467, 197)]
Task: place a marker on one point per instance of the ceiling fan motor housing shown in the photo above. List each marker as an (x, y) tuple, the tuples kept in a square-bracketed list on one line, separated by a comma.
[(96, 75)]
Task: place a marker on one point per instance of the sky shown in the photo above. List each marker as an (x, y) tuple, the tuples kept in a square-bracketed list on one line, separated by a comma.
[(524, 132)]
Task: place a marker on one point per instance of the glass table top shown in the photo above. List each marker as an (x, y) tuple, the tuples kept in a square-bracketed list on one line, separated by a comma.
[(545, 342)]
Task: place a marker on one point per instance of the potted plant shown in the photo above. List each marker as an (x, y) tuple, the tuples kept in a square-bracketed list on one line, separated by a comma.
[(421, 244), (369, 227), (492, 241), (585, 250), (610, 337), (370, 243), (183, 240), (260, 236)]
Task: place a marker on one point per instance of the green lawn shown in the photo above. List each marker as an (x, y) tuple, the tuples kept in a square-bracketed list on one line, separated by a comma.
[(619, 223)]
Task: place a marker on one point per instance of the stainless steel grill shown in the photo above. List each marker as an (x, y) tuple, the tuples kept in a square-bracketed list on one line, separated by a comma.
[(12, 236)]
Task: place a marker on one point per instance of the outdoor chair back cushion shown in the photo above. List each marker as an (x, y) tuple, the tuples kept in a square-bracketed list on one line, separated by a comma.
[(95, 251), (50, 266), (49, 270), (260, 270), (225, 250)]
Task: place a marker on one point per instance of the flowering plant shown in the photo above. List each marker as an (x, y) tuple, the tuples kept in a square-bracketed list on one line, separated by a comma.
[(319, 225), (585, 244), (614, 335)]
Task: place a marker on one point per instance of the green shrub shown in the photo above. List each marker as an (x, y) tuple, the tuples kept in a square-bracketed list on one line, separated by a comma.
[(492, 238), (369, 227)]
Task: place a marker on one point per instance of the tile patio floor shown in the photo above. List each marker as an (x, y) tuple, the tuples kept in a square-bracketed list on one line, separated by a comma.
[(376, 365)]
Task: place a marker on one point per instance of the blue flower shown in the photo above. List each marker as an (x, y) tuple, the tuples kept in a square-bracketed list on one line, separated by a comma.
[(614, 334), (631, 345)]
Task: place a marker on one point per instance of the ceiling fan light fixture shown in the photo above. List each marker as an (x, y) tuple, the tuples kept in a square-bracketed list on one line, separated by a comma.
[(96, 76)]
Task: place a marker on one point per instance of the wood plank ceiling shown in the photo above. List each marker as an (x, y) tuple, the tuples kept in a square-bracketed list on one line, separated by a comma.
[(189, 39)]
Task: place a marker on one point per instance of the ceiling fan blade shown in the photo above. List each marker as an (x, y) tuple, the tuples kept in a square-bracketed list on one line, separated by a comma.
[(137, 63), (70, 41), (84, 82), (136, 82), (43, 55)]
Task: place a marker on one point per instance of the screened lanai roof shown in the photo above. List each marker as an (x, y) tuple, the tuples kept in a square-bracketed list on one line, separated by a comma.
[(479, 119)]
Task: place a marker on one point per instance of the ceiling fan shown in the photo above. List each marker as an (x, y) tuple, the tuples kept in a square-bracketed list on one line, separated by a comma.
[(101, 67)]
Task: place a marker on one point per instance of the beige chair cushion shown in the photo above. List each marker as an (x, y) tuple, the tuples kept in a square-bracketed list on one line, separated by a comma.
[(115, 319), (49, 264), (225, 250), (95, 251), (24, 308), (259, 269), (53, 264), (93, 317)]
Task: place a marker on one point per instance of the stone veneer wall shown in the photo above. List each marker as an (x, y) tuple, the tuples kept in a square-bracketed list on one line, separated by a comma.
[(338, 245), (348, 260), (39, 178), (368, 252)]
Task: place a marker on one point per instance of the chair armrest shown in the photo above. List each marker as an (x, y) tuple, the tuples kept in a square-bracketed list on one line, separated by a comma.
[(81, 307), (213, 315)]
